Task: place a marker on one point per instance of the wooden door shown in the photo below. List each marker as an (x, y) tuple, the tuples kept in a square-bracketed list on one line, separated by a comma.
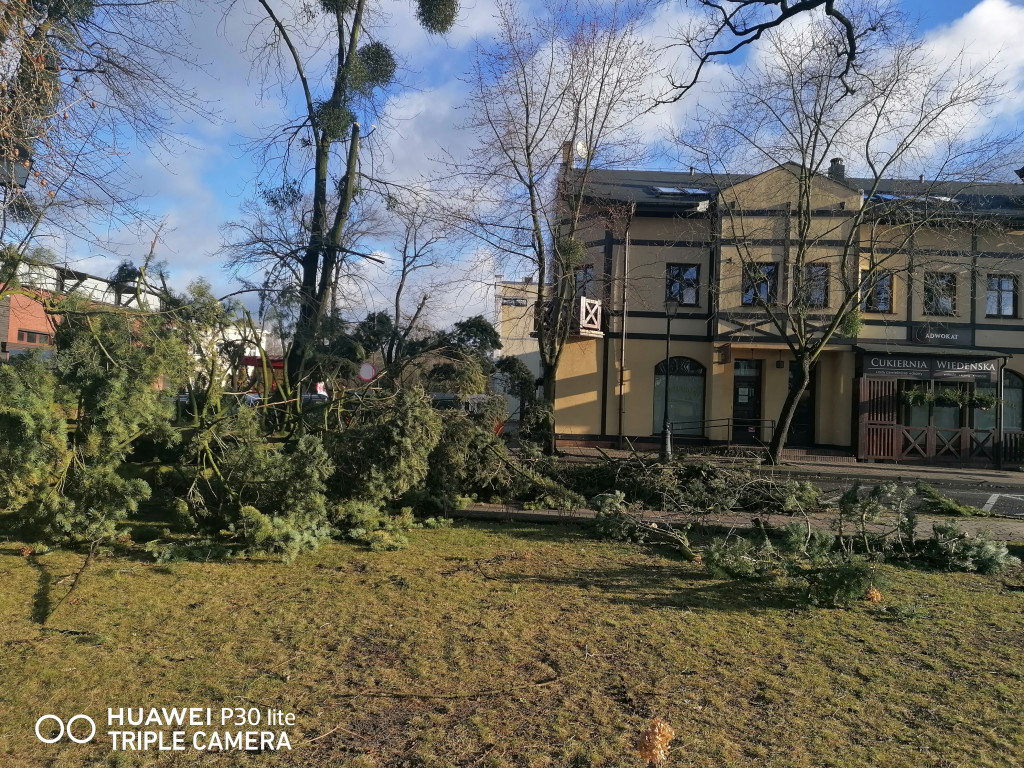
[(878, 419)]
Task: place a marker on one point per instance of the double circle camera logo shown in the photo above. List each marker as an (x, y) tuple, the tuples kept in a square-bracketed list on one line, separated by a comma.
[(66, 729)]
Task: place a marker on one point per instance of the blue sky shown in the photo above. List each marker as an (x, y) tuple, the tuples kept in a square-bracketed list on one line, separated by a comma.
[(201, 185)]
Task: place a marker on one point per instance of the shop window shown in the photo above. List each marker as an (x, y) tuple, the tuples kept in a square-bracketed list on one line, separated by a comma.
[(1013, 402), (683, 379), (916, 396), (984, 418), (946, 413), (760, 284), (876, 292), (940, 293), (586, 285), (1001, 298), (815, 286), (682, 284), (947, 409)]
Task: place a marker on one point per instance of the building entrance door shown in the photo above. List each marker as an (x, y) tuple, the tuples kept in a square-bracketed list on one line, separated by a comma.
[(746, 402), (801, 429)]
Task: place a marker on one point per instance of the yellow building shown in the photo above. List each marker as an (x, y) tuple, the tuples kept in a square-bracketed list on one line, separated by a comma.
[(936, 338), (514, 309)]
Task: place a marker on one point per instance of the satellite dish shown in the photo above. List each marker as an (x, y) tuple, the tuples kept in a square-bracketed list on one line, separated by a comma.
[(582, 150)]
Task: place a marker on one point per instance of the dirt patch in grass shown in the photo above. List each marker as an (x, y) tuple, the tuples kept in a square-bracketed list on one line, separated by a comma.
[(501, 645)]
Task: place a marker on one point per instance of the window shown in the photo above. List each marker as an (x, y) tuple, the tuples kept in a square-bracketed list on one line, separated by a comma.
[(684, 383), (682, 284), (585, 283), (816, 285), (940, 293), (33, 337), (760, 284), (1013, 402), (1001, 299), (876, 292)]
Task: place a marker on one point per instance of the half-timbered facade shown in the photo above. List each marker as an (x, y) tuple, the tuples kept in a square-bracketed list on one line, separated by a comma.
[(928, 366)]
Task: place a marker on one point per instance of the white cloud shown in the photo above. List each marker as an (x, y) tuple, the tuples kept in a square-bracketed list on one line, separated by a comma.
[(200, 187), (425, 127), (988, 35)]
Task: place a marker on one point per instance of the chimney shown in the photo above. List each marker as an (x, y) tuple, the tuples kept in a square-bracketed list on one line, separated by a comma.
[(566, 153), (528, 280), (836, 170)]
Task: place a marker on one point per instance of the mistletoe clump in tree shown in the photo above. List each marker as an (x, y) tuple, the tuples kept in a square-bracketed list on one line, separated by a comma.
[(324, 142)]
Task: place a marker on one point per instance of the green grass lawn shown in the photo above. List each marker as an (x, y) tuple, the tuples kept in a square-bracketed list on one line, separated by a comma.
[(513, 645)]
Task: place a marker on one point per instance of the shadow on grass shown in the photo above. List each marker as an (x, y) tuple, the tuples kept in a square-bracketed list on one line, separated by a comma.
[(666, 586), (41, 599), (582, 528), (554, 531)]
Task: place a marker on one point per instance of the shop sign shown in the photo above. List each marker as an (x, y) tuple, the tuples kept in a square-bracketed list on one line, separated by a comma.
[(927, 367), (898, 366), (942, 335), (951, 368)]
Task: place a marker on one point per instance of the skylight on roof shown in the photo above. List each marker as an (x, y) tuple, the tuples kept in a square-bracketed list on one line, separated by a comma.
[(677, 191), (887, 197)]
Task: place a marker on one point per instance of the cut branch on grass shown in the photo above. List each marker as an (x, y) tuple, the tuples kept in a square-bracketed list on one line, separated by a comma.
[(89, 557)]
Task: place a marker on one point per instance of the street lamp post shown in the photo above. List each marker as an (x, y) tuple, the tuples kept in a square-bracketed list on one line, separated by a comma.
[(671, 308)]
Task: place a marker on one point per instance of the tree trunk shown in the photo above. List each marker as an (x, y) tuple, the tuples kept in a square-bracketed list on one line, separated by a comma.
[(781, 433), (549, 373)]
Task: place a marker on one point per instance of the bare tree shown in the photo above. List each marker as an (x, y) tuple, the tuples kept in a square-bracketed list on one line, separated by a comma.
[(721, 28), (264, 248), (423, 244), (328, 51), (896, 113), (78, 81), (575, 79)]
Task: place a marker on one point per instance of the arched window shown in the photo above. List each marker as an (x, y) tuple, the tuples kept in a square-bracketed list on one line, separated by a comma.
[(684, 380)]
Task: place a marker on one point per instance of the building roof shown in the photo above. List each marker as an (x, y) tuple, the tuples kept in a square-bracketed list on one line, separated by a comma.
[(651, 190), (641, 187)]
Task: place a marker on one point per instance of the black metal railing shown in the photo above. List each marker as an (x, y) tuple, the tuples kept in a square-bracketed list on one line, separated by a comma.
[(700, 428)]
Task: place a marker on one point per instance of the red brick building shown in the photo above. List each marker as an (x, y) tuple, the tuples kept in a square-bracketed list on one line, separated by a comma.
[(24, 324)]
